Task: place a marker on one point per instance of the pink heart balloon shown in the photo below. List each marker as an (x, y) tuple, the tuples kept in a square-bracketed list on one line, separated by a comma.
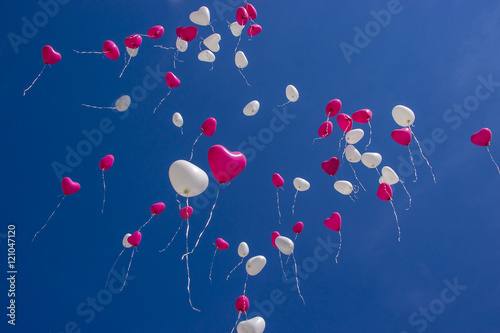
[(157, 208), (278, 181), (482, 138), (325, 129), (384, 192), (241, 16), (172, 80), (221, 244), (334, 222), (251, 11), (225, 165), (298, 227), (133, 41), (402, 136), (50, 56), (111, 50), (209, 126), (106, 162), (155, 32), (186, 212), (242, 304), (186, 33), (362, 116), (333, 107), (345, 122), (331, 166), (135, 238), (274, 235), (254, 30), (69, 186)]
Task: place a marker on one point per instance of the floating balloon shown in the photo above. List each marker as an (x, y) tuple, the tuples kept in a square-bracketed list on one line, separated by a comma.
[(241, 16), (343, 187), (324, 130), (206, 56), (284, 244), (345, 122), (254, 30), (105, 164), (208, 128), (186, 33), (292, 94), (251, 11), (403, 116), (352, 154), (254, 325), (301, 185), (482, 138), (334, 223), (186, 212), (354, 136), (278, 181), (156, 209), (333, 107), (390, 177), (298, 227), (201, 16), (125, 242), (225, 165), (274, 235), (242, 304), (132, 52), (236, 29), (220, 244), (212, 42), (181, 45), (122, 104), (132, 43), (371, 160), (384, 193), (402, 136), (251, 108), (50, 57), (364, 116), (172, 82), (240, 60), (243, 251), (155, 32), (128, 241), (110, 50), (187, 179), (331, 166), (178, 120), (255, 265)]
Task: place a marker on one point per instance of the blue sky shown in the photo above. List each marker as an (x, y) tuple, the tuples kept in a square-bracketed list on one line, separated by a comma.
[(438, 58)]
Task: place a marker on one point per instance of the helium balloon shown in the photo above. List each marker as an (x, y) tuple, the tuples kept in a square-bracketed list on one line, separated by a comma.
[(278, 180), (274, 235), (251, 108), (186, 212), (125, 242), (402, 136), (334, 223), (255, 265), (187, 179), (362, 116), (133, 41), (242, 304), (221, 244), (292, 94), (206, 56), (209, 126), (482, 138), (371, 160), (298, 227), (403, 116), (352, 154), (384, 192), (132, 52), (284, 244), (254, 30), (122, 104), (172, 80), (301, 184), (243, 249), (333, 107), (345, 122), (186, 33), (236, 29), (128, 241), (254, 325), (325, 129), (343, 187), (50, 57), (251, 11), (389, 176), (135, 239), (241, 16), (181, 44), (157, 208), (331, 166), (111, 50), (225, 165), (155, 32), (177, 119), (105, 164), (201, 16), (240, 59), (353, 136), (212, 42)]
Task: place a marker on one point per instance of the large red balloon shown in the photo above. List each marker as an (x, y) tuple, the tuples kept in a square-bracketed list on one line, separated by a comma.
[(156, 32), (221, 244), (252, 12), (241, 16), (242, 304), (186, 33), (298, 227), (135, 238), (172, 80), (325, 129), (69, 186), (225, 165), (133, 41), (333, 222), (402, 136), (331, 166), (186, 212)]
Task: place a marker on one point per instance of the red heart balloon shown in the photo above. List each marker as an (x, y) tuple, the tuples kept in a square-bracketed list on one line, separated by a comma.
[(333, 107), (345, 122), (157, 208), (106, 162), (186, 212), (225, 165), (172, 80), (155, 32), (482, 138), (334, 222), (209, 126), (254, 30), (50, 56), (384, 192), (133, 41), (135, 238), (241, 16), (69, 186), (325, 129), (111, 50), (298, 227), (186, 33), (362, 116), (274, 235), (278, 181), (242, 304), (221, 244), (402, 136), (331, 166), (251, 11)]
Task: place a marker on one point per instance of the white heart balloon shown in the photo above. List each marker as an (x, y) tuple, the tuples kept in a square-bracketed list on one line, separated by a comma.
[(292, 93), (371, 160), (343, 187), (177, 119), (353, 136), (389, 176), (132, 52), (201, 16), (181, 45), (206, 56), (251, 108), (254, 325), (352, 154), (212, 42), (255, 265), (123, 103), (284, 244), (243, 249), (301, 184), (403, 116), (187, 179), (240, 59), (236, 29), (125, 242)]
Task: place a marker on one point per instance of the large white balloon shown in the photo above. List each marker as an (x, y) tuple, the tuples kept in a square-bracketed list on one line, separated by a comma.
[(343, 186), (181, 44), (240, 59), (243, 249), (123, 103), (301, 184), (132, 52), (352, 154), (389, 176), (255, 265), (251, 108), (292, 93), (177, 119), (212, 42), (371, 160), (403, 116), (125, 242), (254, 325), (201, 16), (284, 244), (236, 29), (187, 179), (206, 56), (353, 136)]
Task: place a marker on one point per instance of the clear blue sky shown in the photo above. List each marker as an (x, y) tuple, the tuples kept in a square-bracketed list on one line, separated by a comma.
[(438, 58)]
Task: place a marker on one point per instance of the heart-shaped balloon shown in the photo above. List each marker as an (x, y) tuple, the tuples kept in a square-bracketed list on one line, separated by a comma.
[(274, 235), (243, 249), (187, 179), (254, 30), (278, 181), (353, 136), (301, 184), (155, 32), (343, 187), (206, 56), (334, 222), (325, 129), (123, 103), (241, 16), (403, 116), (384, 192), (402, 136), (225, 165), (132, 52), (181, 45), (252, 12), (125, 242), (186, 33), (284, 244), (69, 186), (209, 126), (157, 208), (254, 325), (240, 60), (345, 122), (221, 244), (201, 16), (251, 108), (298, 227), (111, 50), (177, 119), (389, 176), (212, 42), (236, 29), (255, 265), (352, 154), (333, 107), (482, 137), (135, 239), (133, 42), (331, 166), (371, 160), (186, 212), (242, 304), (50, 56), (362, 116), (172, 80), (106, 162), (292, 94)]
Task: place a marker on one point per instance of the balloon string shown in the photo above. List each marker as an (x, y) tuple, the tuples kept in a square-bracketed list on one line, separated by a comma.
[(177, 199), (281, 263), (194, 143), (48, 218), (109, 275), (175, 57), (314, 140), (164, 47), (409, 196), (211, 67), (340, 246), (99, 107), (340, 141), (227, 277), (87, 52), (212, 266), (297, 278), (421, 152), (206, 225), (200, 44), (245, 285), (378, 172), (355, 175), (154, 111), (166, 247), (126, 65), (284, 104), (104, 192), (241, 72), (187, 268), (489, 152), (351, 198), (278, 202), (128, 269), (294, 200), (152, 215), (182, 132), (239, 315), (397, 221), (238, 44), (32, 83), (413, 163), (211, 26)]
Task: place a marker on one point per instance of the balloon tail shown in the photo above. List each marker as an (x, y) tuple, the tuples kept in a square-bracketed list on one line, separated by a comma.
[(278, 202), (194, 143), (340, 141), (88, 52), (340, 246), (281, 263), (409, 196), (152, 215), (128, 269), (166, 247), (165, 48), (314, 140), (250, 39), (32, 83), (182, 132), (378, 172), (109, 275), (489, 152), (177, 199), (154, 111), (227, 277), (397, 221), (48, 218), (126, 65), (175, 57), (211, 67), (241, 72), (99, 107), (238, 44), (294, 201), (297, 278), (187, 269), (413, 163), (104, 192), (200, 44), (245, 286), (211, 26), (352, 198), (237, 320), (425, 158), (212, 266), (355, 175), (283, 104), (370, 140)]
